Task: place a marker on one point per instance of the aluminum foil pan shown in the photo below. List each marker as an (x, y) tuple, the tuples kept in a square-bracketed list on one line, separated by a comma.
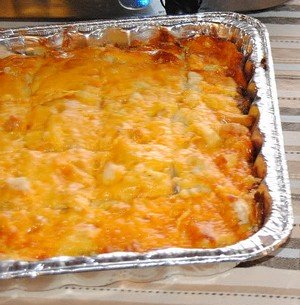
[(251, 37)]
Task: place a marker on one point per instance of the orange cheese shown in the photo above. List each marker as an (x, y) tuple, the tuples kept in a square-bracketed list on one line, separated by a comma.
[(125, 149)]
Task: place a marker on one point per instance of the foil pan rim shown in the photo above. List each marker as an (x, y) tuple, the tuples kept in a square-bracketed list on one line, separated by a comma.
[(279, 225)]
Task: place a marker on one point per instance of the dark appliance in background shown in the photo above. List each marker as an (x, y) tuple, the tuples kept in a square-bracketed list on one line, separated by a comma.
[(178, 7), (107, 9)]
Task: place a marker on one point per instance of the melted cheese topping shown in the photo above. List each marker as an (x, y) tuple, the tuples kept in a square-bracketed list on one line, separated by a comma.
[(125, 149)]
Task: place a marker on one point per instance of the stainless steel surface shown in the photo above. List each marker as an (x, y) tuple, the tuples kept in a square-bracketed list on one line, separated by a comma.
[(103, 9), (252, 37), (239, 5)]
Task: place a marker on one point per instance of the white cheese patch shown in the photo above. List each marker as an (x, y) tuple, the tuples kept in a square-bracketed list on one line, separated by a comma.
[(72, 104), (109, 58), (112, 173), (136, 96), (194, 191), (142, 85), (157, 152), (198, 169), (242, 209), (41, 219), (127, 125), (208, 229), (75, 186), (7, 70), (19, 184), (88, 229), (194, 80)]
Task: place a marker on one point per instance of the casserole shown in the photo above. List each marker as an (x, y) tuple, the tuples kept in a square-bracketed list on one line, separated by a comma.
[(163, 159), (99, 34)]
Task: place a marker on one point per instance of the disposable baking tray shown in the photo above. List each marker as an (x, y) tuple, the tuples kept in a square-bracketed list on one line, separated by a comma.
[(252, 39)]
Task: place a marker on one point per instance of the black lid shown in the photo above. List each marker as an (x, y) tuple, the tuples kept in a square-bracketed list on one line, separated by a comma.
[(179, 7)]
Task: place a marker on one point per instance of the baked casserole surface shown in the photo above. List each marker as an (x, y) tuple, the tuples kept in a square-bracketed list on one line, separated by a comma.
[(113, 148)]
